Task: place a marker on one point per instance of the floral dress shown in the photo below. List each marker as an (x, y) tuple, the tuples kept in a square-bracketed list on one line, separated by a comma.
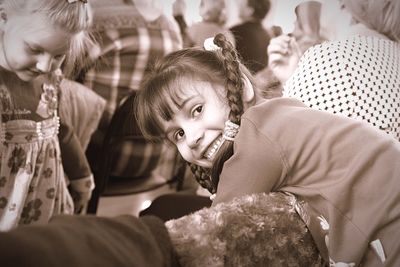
[(32, 183)]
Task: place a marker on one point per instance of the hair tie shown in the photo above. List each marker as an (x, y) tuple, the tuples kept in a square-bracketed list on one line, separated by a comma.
[(209, 45), (73, 1), (230, 130)]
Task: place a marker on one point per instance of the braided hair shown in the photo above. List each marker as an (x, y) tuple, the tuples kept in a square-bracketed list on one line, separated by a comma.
[(234, 92), (162, 86)]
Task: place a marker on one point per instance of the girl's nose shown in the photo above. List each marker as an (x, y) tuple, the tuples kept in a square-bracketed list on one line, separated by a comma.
[(193, 137), (44, 63)]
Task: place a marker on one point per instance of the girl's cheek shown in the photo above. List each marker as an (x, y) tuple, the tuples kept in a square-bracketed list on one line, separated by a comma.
[(185, 154), (57, 63), (182, 152)]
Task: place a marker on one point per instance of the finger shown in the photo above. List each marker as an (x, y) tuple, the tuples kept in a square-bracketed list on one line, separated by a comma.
[(278, 49), (284, 38), (281, 48), (296, 48), (282, 41), (275, 59)]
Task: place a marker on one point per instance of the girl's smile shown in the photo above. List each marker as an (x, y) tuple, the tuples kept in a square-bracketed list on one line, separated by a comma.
[(213, 148), (198, 122)]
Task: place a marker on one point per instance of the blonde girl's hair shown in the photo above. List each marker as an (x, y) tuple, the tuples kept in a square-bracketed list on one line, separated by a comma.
[(75, 18), (379, 15), (164, 84)]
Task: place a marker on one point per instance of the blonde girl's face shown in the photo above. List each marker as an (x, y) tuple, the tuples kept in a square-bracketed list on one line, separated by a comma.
[(31, 45), (198, 123)]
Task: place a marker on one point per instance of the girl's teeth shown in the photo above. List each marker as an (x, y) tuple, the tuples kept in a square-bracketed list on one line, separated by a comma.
[(214, 148)]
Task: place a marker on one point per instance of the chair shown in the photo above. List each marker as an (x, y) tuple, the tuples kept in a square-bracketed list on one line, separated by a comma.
[(128, 161)]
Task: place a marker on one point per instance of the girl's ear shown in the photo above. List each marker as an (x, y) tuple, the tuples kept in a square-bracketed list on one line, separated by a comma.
[(248, 90)]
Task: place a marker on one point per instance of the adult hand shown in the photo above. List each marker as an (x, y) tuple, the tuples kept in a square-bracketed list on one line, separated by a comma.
[(283, 56)]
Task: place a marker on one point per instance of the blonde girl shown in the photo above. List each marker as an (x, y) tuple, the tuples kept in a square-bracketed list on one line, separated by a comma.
[(36, 37), (344, 173)]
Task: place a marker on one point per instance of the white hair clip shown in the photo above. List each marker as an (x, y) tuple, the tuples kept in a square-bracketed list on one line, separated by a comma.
[(230, 131), (73, 1), (209, 45)]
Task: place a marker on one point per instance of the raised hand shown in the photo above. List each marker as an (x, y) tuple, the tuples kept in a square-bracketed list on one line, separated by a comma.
[(283, 55)]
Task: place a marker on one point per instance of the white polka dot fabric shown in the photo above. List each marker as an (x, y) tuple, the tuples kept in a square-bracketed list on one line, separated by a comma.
[(358, 77)]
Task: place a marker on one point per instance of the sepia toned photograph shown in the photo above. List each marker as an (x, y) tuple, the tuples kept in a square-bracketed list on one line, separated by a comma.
[(200, 133)]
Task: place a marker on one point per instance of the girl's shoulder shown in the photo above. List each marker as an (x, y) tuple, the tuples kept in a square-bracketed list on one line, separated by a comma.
[(273, 105), (275, 112)]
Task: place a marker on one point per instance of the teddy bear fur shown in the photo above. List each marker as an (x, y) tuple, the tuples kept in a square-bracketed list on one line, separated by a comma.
[(253, 230)]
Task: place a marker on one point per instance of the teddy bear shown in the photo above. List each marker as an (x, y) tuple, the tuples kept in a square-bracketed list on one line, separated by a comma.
[(253, 230)]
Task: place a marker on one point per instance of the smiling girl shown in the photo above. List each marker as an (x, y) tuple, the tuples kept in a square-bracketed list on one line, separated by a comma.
[(36, 37), (344, 173)]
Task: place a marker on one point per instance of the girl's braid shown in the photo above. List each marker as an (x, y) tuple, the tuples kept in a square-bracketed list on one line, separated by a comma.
[(234, 82), (234, 88), (202, 177)]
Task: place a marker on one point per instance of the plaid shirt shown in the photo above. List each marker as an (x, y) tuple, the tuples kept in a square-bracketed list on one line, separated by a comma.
[(128, 46)]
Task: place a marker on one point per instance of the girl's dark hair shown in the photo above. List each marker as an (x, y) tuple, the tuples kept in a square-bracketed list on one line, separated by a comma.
[(162, 87)]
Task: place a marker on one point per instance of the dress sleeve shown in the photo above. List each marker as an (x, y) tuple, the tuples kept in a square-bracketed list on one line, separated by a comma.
[(256, 166), (73, 157)]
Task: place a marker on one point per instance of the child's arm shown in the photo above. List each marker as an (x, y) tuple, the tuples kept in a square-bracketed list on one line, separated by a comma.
[(256, 166), (76, 167), (74, 160), (80, 111)]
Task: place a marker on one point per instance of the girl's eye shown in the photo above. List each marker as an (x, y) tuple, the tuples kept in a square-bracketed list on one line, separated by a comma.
[(197, 110), (59, 57), (178, 135), (33, 50)]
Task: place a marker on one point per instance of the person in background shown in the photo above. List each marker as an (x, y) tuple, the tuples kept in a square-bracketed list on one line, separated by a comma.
[(357, 74), (306, 32), (131, 35), (307, 27), (251, 38), (178, 12), (205, 103), (36, 148), (213, 13)]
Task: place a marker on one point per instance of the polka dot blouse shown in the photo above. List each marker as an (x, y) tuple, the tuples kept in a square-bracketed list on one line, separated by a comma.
[(358, 77)]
